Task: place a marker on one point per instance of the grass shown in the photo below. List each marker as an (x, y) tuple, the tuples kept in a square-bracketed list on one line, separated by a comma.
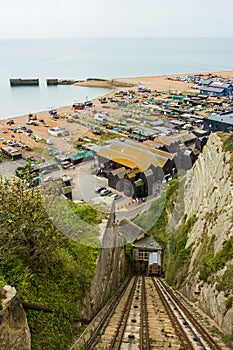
[(108, 136)]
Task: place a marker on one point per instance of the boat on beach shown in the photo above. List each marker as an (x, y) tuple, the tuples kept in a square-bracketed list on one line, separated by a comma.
[(81, 105), (78, 105)]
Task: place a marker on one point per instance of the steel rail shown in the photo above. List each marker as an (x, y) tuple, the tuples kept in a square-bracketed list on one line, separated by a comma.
[(109, 307), (186, 343), (144, 327), (117, 339), (204, 334)]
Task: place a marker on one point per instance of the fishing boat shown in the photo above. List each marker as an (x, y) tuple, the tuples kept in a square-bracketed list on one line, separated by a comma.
[(78, 105)]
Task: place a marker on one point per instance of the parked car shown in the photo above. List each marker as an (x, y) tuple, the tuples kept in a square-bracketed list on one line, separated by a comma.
[(22, 127), (45, 172), (105, 192), (66, 164), (116, 196), (48, 178), (99, 189)]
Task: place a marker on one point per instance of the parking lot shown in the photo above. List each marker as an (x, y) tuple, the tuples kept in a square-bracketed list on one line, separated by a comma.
[(84, 184), (7, 168)]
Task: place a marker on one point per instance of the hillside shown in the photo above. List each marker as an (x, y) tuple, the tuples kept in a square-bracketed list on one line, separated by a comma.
[(195, 226), (45, 266)]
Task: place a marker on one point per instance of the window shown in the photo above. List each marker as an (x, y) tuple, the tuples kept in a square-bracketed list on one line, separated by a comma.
[(142, 255)]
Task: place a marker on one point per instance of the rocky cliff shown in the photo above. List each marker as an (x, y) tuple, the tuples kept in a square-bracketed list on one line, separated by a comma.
[(208, 197), (14, 330)]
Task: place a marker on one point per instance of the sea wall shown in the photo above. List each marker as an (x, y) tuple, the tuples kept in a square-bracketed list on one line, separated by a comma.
[(208, 196)]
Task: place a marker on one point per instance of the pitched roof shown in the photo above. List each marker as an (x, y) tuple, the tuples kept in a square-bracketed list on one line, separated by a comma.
[(133, 155), (147, 242), (130, 231), (219, 84), (226, 118), (212, 89)]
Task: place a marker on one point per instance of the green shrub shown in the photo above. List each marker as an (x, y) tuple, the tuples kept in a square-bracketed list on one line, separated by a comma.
[(45, 266), (226, 282), (213, 263)]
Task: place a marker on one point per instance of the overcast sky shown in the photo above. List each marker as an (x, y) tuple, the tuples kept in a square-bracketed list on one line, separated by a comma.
[(108, 18)]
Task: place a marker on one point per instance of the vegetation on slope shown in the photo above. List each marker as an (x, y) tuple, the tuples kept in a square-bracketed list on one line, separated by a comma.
[(44, 265), (178, 252), (213, 263), (161, 220), (155, 220)]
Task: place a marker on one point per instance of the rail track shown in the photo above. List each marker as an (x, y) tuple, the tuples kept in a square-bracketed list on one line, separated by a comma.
[(193, 334), (147, 315), (128, 327)]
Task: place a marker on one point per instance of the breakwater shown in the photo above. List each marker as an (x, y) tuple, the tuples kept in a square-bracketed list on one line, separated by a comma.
[(23, 82)]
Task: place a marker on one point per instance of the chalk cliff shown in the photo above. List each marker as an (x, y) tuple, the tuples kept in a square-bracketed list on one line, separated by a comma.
[(208, 196)]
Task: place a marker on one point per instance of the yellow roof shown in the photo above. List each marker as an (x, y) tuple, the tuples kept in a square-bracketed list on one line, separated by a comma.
[(133, 155)]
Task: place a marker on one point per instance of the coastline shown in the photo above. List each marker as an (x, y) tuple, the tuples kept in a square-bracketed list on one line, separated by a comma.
[(160, 83)]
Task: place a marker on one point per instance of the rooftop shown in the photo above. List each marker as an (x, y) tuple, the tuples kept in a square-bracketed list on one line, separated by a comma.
[(134, 155), (82, 154), (223, 117), (212, 89), (130, 231), (147, 242)]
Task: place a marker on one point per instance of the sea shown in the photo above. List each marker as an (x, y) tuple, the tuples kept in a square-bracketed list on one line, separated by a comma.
[(83, 58)]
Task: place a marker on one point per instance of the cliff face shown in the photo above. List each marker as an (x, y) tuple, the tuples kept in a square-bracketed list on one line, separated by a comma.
[(14, 330), (208, 196)]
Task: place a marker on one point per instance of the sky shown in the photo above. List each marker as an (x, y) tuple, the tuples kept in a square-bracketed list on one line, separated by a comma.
[(27, 19)]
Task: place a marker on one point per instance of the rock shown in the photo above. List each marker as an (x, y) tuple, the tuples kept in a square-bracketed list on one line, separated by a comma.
[(209, 196), (14, 330)]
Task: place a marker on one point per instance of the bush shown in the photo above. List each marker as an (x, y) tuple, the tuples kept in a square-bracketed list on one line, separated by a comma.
[(44, 266)]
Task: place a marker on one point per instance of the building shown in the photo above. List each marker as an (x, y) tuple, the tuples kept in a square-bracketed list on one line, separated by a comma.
[(142, 248), (215, 88), (11, 152), (142, 166), (147, 254), (60, 186), (45, 167), (81, 156), (219, 122), (116, 178), (167, 144), (134, 155), (201, 142)]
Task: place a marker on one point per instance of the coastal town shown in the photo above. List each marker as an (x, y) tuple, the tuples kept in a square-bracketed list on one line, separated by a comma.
[(134, 140)]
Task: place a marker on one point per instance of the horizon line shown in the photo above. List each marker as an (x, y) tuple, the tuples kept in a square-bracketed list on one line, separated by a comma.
[(117, 37)]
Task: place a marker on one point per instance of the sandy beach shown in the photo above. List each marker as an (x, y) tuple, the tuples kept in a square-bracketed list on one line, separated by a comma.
[(162, 83)]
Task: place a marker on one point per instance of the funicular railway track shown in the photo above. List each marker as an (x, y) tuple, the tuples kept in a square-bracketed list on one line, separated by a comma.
[(192, 332), (146, 316), (131, 321)]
